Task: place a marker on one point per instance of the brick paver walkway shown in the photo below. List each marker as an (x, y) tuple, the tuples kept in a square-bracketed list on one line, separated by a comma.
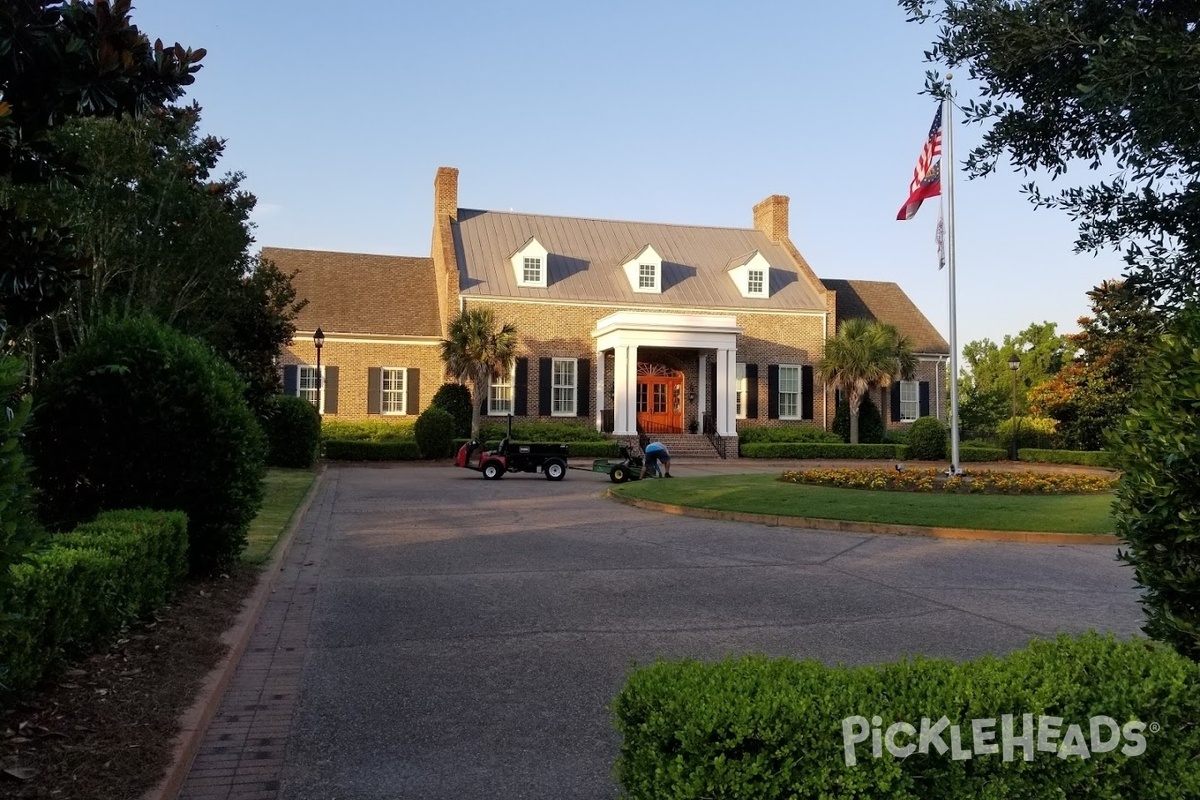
[(243, 751)]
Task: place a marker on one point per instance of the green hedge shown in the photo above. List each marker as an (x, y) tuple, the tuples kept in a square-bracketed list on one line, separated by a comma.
[(824, 451), (982, 454), (1088, 458), (75, 593), (755, 727), (398, 430), (365, 450), (542, 432), (605, 448), (757, 434)]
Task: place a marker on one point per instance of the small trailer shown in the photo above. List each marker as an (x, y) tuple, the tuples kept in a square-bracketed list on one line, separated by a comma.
[(628, 468), (548, 459)]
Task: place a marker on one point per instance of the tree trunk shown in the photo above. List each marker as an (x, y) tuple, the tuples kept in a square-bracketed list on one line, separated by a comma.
[(854, 401), (853, 426), (476, 400)]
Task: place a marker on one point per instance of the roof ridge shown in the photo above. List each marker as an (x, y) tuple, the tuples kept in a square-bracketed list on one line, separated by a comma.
[(345, 253), (750, 229)]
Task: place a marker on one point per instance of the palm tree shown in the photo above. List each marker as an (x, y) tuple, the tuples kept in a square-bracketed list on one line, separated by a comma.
[(476, 352), (865, 355)]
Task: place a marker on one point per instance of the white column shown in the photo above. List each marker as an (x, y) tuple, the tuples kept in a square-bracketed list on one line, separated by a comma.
[(702, 395), (624, 391), (598, 390), (724, 391)]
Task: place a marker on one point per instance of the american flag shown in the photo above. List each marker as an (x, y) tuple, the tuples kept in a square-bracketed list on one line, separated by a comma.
[(927, 177)]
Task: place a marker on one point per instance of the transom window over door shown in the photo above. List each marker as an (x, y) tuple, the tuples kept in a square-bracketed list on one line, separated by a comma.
[(564, 385), (392, 382), (500, 395), (789, 392)]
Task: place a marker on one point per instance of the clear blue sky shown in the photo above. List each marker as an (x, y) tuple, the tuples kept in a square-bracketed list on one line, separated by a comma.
[(339, 115)]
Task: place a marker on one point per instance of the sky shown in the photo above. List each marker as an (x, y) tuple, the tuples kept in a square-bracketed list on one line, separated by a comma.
[(683, 112)]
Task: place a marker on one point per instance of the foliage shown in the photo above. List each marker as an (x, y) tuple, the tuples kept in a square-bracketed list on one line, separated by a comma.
[(583, 448), (1157, 447), (822, 450), (293, 430), (61, 61), (455, 398), (544, 432), (479, 351), (863, 356), (986, 383), (1087, 458), (397, 430), (142, 416), (18, 525), (753, 726), (927, 440), (786, 433), (370, 450), (932, 480), (981, 410), (871, 428), (78, 591), (981, 454), (433, 431), (1091, 394), (1110, 85), (1036, 432)]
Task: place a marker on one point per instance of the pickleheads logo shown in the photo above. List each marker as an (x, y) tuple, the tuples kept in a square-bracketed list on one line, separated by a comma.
[(902, 739)]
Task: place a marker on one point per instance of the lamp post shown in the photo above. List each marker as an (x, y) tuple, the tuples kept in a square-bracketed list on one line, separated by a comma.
[(319, 342), (1014, 364)]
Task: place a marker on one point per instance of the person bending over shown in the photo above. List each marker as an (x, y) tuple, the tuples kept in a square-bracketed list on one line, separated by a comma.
[(656, 453)]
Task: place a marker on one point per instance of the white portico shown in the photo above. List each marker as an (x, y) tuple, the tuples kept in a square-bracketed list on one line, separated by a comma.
[(626, 331)]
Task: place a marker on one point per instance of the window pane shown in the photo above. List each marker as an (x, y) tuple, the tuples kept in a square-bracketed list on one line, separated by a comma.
[(660, 398), (532, 272), (645, 276), (740, 391), (642, 392), (393, 391), (307, 384), (910, 407), (755, 282), (563, 395), (500, 395), (789, 391)]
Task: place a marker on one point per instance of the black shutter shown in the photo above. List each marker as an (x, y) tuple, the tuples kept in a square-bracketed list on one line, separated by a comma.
[(374, 390), (896, 401), (291, 380), (712, 395), (837, 400), (773, 391), (331, 390), (923, 398), (751, 399), (544, 378), (583, 380), (412, 391), (806, 392), (521, 388)]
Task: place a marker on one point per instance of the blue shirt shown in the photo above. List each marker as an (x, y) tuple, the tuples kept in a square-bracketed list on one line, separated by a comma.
[(654, 447)]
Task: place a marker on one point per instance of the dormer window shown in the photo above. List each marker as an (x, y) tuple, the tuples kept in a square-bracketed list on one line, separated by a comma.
[(529, 264), (751, 274), (644, 271)]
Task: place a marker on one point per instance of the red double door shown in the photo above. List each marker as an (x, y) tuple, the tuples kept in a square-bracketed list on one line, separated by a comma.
[(659, 400)]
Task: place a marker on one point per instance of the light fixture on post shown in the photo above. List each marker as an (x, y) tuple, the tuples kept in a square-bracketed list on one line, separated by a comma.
[(319, 342), (1014, 364)]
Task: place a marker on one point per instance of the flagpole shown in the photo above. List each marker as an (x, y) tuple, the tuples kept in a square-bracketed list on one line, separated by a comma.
[(948, 179)]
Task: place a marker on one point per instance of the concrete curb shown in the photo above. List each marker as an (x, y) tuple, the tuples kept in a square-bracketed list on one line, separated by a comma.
[(846, 526), (195, 721)]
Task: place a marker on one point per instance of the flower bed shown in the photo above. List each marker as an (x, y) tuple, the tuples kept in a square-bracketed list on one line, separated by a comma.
[(932, 480)]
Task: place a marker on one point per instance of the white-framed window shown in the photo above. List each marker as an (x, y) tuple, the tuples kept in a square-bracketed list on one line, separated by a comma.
[(789, 392), (532, 270), (563, 383), (309, 388), (754, 281), (910, 402), (740, 389), (500, 394), (647, 276), (393, 384)]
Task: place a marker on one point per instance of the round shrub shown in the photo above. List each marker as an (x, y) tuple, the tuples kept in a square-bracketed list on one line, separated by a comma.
[(142, 416), (293, 429), (456, 399), (871, 429), (1036, 432), (434, 432), (927, 440)]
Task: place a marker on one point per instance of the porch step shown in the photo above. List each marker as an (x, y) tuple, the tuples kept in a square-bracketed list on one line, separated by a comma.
[(686, 445)]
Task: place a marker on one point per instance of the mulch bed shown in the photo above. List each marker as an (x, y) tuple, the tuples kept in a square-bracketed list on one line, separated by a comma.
[(105, 728)]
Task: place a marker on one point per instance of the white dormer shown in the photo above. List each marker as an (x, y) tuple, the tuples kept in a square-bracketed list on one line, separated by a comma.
[(530, 264), (752, 275), (644, 271)]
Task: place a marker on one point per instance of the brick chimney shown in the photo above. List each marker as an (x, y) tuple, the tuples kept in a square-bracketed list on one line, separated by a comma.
[(445, 194), (771, 217)]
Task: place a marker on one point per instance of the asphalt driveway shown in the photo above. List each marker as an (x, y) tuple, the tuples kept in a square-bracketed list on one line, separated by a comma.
[(467, 636)]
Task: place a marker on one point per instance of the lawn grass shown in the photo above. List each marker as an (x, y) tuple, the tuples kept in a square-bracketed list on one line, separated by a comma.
[(286, 490), (765, 494)]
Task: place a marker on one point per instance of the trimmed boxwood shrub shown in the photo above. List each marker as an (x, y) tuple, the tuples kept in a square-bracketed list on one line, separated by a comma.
[(787, 433), (806, 450), (756, 727), (361, 450), (293, 430), (605, 448), (981, 454), (456, 399), (398, 430), (1034, 432), (542, 432), (75, 592), (434, 431), (927, 440), (142, 416), (1087, 458), (871, 429)]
